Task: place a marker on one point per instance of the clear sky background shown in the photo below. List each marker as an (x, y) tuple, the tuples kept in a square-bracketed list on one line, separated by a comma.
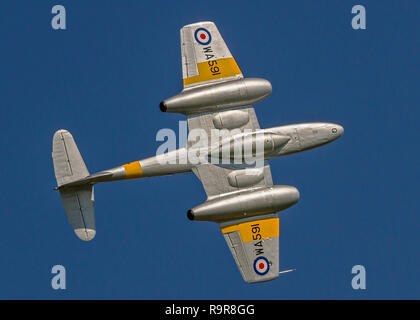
[(103, 78)]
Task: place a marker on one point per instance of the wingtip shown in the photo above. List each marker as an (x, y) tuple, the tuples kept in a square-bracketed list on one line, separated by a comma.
[(197, 24), (85, 234), (61, 131), (58, 134), (260, 280)]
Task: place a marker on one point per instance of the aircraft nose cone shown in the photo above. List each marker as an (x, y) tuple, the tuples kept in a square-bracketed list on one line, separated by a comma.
[(336, 131), (340, 130)]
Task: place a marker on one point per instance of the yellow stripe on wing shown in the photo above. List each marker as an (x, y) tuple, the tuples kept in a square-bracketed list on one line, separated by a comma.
[(213, 70), (255, 230)]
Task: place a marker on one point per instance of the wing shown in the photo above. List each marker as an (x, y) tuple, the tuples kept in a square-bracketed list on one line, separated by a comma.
[(255, 247), (202, 46), (205, 57), (253, 242)]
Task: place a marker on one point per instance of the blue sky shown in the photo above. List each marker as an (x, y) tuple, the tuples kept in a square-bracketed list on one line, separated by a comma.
[(103, 78)]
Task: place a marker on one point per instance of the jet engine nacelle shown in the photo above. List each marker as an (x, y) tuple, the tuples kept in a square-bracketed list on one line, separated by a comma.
[(218, 96), (246, 204)]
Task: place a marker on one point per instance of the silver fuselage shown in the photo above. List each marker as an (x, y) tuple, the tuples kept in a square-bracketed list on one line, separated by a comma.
[(302, 136)]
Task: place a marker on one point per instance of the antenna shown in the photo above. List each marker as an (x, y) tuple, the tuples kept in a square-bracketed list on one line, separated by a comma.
[(286, 271)]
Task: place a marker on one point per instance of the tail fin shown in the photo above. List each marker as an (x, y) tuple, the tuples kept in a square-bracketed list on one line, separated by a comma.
[(78, 201)]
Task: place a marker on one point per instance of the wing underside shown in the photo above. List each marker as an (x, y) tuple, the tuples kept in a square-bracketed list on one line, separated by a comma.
[(205, 57), (253, 242), (255, 247), (213, 177)]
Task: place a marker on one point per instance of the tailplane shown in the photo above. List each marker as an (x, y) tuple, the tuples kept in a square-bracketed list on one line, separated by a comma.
[(78, 201)]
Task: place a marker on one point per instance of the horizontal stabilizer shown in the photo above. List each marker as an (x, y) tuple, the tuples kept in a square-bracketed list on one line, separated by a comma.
[(78, 200), (79, 206), (68, 163)]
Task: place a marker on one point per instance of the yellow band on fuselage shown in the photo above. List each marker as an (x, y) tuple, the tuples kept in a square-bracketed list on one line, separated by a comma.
[(214, 69), (133, 170), (255, 230)]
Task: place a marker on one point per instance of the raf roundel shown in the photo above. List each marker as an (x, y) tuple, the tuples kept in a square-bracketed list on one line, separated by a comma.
[(202, 36), (261, 266)]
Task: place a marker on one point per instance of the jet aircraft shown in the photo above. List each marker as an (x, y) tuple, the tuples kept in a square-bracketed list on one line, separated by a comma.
[(241, 197)]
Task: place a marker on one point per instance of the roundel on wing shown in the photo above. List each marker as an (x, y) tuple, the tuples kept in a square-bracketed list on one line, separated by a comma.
[(261, 266), (202, 36)]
